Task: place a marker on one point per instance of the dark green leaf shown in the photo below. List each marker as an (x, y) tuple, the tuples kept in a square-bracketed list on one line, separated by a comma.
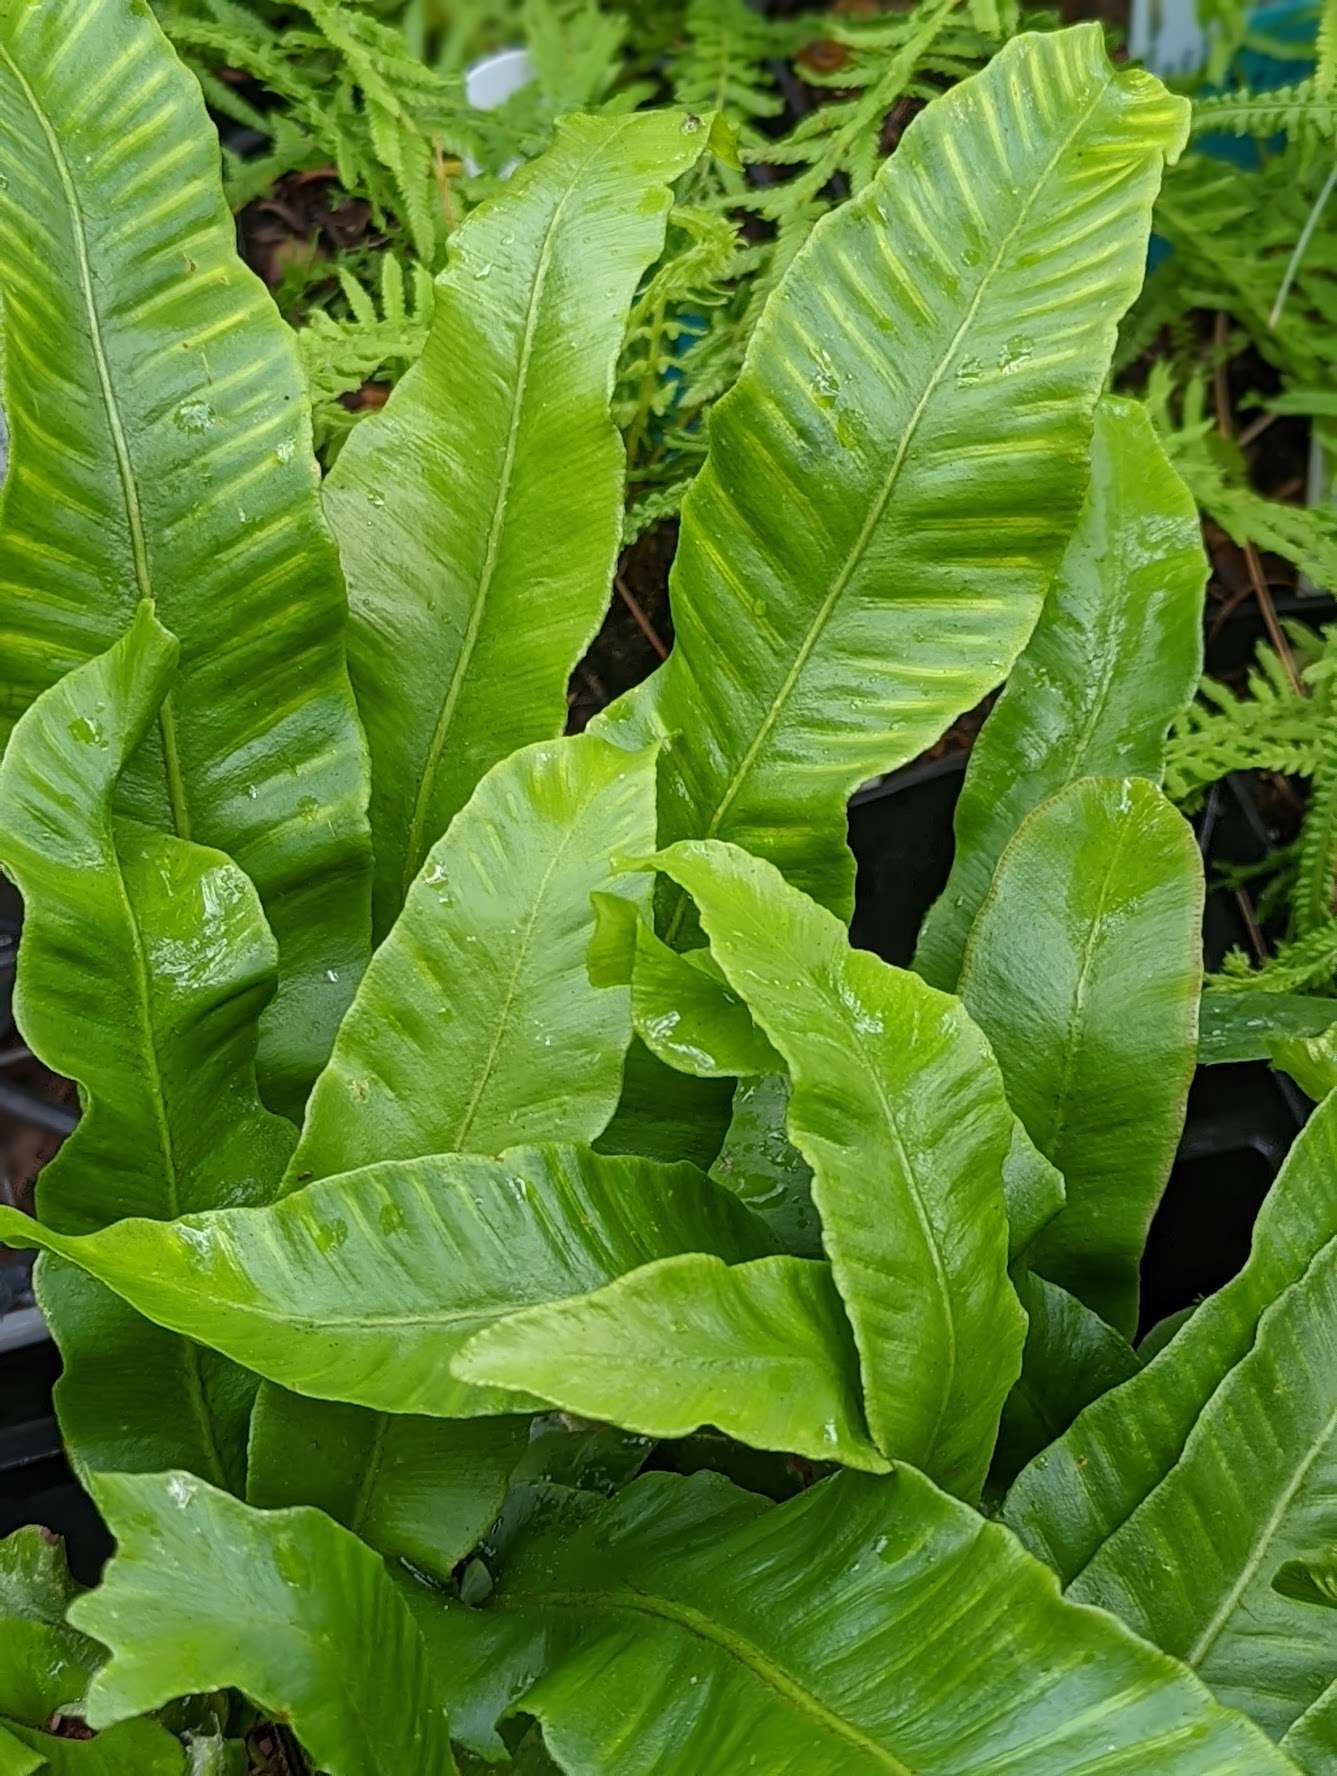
[(894, 477), (469, 611), (1311, 1579), (763, 1350), (764, 1169), (162, 450), (425, 1490), (1083, 969), (1115, 657), (1245, 1026), (1071, 1358), (898, 1107)]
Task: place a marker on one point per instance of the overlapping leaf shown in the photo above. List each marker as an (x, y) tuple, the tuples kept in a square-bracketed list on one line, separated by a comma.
[(1177, 1498), (360, 1288), (868, 1625), (328, 1645), (1071, 1358), (762, 1351), (898, 1107), (45, 1670), (1115, 657), (479, 516), (476, 1027), (682, 1008), (894, 477), (1083, 969), (162, 449), (422, 1490), (144, 965)]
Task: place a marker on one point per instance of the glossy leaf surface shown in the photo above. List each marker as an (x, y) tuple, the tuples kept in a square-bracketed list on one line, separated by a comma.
[(868, 1625), (161, 449), (476, 1027), (1071, 1358), (898, 1106), (1177, 1498), (423, 1490), (1311, 1744), (1083, 969), (666, 1115), (144, 965), (893, 479), (470, 606), (682, 1008), (1115, 657), (762, 1167), (328, 1645), (1246, 1026), (362, 1287), (761, 1350)]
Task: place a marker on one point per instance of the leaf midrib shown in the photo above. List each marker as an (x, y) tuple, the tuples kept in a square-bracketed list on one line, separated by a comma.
[(744, 1652), (489, 1066), (473, 629), (175, 781), (879, 506), (1200, 1416), (1213, 1628)]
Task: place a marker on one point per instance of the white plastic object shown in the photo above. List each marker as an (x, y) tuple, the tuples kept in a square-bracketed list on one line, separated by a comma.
[(489, 82), (492, 79), (20, 1327)]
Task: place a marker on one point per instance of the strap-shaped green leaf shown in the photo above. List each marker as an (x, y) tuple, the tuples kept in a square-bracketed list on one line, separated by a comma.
[(144, 965), (479, 516), (868, 1625), (1246, 1026), (162, 449), (425, 1491), (894, 477), (476, 1027), (1177, 1498), (762, 1351), (1084, 968), (1115, 657), (205, 1593), (361, 1287), (1071, 1358), (898, 1106), (762, 1167), (1311, 1744), (134, 1748), (682, 1008)]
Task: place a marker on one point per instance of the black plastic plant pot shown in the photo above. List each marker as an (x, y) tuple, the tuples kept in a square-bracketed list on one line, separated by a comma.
[(1241, 1121), (36, 1485)]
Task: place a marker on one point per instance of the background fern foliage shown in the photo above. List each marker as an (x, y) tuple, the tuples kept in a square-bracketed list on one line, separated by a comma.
[(530, 1290)]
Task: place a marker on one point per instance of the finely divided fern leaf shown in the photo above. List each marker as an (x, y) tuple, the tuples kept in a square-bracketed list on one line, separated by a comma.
[(1300, 112)]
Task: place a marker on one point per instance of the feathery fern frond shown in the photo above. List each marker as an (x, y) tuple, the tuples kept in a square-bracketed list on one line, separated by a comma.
[(880, 63), (378, 338), (726, 62), (1308, 965), (1300, 112), (1234, 232), (351, 94)]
